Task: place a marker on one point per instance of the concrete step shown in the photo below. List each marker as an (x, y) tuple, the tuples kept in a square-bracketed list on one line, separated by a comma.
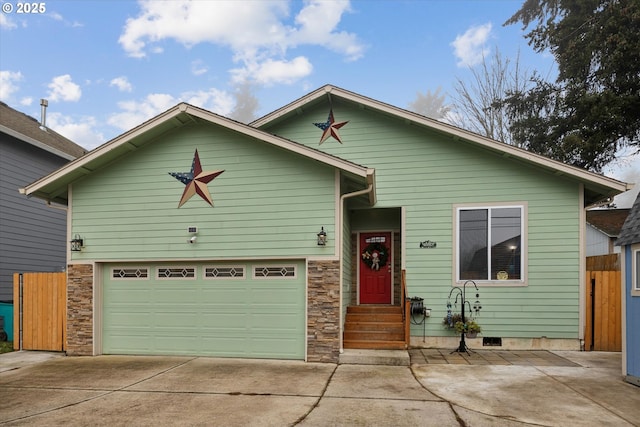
[(375, 357)]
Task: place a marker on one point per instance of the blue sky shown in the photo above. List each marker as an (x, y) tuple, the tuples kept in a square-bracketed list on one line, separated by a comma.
[(107, 66)]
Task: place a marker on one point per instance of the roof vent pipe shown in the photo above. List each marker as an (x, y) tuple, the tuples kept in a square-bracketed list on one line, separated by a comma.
[(43, 120)]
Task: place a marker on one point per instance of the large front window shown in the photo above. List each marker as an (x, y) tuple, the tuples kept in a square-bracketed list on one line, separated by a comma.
[(489, 246)]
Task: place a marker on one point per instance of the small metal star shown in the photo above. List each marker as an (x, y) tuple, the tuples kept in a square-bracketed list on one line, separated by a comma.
[(330, 128)]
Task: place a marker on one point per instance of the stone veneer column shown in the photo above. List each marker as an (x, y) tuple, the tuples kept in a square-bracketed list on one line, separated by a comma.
[(80, 310), (323, 316)]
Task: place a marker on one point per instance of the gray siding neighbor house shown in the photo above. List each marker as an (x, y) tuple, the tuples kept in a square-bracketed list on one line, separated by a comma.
[(603, 227), (32, 234)]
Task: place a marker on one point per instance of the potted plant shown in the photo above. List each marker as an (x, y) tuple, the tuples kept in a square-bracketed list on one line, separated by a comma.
[(471, 328), (450, 323)]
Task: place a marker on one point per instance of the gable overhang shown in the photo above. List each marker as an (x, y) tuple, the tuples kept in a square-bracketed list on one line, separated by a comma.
[(36, 143), (598, 189), (54, 187)]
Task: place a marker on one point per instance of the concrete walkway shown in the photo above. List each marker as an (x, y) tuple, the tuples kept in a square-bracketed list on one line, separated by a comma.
[(141, 391)]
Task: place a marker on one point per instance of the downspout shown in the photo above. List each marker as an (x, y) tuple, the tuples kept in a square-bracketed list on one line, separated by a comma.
[(344, 197), (582, 265)]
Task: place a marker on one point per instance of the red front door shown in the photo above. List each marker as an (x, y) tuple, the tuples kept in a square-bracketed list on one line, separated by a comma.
[(375, 268)]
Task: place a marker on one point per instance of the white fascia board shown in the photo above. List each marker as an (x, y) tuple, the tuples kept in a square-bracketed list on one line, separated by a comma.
[(280, 142), (80, 162), (454, 132), (36, 143), (179, 109)]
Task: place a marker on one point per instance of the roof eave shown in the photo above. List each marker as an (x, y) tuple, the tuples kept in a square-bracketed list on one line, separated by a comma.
[(90, 161), (36, 143), (614, 186)]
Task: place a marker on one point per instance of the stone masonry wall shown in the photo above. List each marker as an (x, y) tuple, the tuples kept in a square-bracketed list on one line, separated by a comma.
[(80, 310), (323, 328)]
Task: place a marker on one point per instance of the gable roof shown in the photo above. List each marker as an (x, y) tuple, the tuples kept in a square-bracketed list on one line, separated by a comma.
[(630, 233), (608, 221), (53, 187), (29, 130), (598, 188)]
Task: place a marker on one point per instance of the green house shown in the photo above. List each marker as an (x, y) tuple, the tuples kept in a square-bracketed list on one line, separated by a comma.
[(193, 234)]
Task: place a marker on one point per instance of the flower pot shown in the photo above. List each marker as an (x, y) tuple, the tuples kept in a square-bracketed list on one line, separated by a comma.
[(471, 334)]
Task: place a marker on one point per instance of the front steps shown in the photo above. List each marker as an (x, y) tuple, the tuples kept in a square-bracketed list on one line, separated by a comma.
[(374, 327), (375, 357)]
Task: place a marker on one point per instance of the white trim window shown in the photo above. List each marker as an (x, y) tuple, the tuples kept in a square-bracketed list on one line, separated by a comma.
[(635, 270), (490, 243)]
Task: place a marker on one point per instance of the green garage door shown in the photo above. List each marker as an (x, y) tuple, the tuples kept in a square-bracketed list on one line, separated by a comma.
[(254, 310)]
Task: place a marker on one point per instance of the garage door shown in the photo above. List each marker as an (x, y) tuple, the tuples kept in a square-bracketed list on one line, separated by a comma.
[(254, 310)]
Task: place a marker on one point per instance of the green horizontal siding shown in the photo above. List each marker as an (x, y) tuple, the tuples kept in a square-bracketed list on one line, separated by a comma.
[(428, 173), (268, 202)]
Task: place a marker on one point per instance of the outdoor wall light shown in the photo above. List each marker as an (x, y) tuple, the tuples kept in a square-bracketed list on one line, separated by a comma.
[(76, 243), (322, 238)]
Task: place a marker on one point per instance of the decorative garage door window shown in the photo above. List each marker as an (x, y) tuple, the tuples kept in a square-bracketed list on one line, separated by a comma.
[(176, 273), (274, 272), (224, 272), (128, 273)]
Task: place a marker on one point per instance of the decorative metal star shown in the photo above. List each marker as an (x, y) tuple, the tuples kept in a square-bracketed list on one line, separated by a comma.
[(196, 181), (330, 128)]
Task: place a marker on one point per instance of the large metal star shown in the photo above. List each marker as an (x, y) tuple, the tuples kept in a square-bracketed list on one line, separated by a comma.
[(330, 128), (196, 181)]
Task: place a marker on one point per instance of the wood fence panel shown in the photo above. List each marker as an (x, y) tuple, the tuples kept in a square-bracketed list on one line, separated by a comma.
[(603, 326), (41, 312)]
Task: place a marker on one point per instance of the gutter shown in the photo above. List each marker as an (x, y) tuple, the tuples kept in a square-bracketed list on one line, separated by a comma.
[(368, 190)]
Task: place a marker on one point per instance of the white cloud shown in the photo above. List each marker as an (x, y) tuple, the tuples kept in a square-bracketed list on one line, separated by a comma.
[(26, 101), (198, 68), (8, 83), (469, 47), (64, 89), (135, 113), (272, 71), (259, 33), (6, 23), (122, 83), (82, 132), (318, 21)]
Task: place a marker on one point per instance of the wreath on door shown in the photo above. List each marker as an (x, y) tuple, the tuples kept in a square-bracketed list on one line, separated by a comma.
[(375, 255)]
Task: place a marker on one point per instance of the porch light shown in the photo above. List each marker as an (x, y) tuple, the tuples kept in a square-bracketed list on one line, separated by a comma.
[(322, 238), (76, 243)]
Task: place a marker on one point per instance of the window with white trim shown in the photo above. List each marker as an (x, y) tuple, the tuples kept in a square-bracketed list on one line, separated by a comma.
[(176, 273), (129, 273), (489, 243), (224, 272), (274, 271), (636, 270)]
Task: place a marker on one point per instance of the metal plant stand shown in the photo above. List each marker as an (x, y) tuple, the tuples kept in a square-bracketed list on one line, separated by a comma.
[(462, 294)]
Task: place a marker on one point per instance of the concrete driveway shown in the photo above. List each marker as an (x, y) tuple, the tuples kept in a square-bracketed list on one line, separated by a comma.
[(191, 391)]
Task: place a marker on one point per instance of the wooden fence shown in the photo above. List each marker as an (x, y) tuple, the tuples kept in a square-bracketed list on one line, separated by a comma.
[(40, 311), (603, 328)]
